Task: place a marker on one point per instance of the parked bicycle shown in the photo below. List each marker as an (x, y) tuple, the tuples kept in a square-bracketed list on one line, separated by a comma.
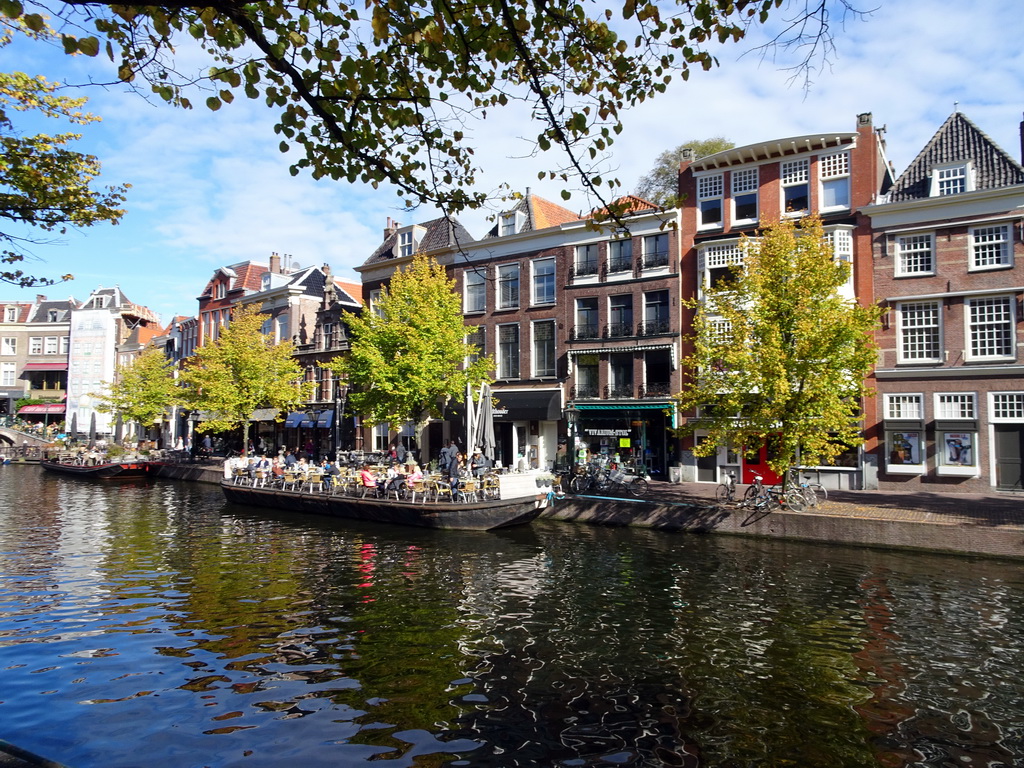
[(758, 496), (811, 493), (726, 493), (595, 478)]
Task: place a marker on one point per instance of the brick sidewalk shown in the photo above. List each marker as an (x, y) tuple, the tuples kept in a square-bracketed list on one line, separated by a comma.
[(990, 509)]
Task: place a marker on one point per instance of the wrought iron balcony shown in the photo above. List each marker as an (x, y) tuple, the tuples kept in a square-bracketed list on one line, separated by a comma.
[(620, 265), (652, 260), (655, 390), (655, 328), (583, 332), (618, 330), (620, 392), (584, 268), (583, 393)]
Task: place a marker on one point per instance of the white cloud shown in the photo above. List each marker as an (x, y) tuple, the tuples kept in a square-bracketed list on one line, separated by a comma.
[(213, 188)]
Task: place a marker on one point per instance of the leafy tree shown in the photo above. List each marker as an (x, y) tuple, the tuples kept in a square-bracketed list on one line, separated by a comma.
[(661, 184), (391, 92), (408, 357), (143, 389), (240, 371), (43, 183), (779, 353)]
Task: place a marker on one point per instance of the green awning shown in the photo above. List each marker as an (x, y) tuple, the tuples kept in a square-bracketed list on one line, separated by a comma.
[(630, 407)]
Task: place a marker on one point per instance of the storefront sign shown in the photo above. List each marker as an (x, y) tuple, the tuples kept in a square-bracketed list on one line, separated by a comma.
[(608, 432)]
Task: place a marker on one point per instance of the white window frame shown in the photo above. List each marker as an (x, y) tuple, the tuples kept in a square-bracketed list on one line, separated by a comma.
[(381, 433), (903, 406), (988, 241), (650, 240), (1009, 322), (474, 291), (744, 183), (406, 244), (508, 274), (902, 308), (504, 372), (8, 374), (510, 223), (51, 345), (620, 252), (952, 179), (535, 294), (834, 173), (477, 338), (9, 345), (35, 345), (587, 260), (534, 348), (710, 190), (219, 290), (954, 406), (373, 300), (1000, 403), (911, 246), (793, 174), (10, 314)]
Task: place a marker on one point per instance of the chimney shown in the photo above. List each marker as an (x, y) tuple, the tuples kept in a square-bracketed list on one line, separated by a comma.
[(391, 228), (275, 263), (1022, 139), (40, 298)]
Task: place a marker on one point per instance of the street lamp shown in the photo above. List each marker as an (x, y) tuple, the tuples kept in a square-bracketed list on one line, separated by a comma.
[(570, 417)]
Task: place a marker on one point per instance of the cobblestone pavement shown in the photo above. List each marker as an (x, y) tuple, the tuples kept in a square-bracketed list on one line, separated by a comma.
[(992, 509)]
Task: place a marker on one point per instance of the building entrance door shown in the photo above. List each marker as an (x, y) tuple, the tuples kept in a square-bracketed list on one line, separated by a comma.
[(1009, 455), (755, 462)]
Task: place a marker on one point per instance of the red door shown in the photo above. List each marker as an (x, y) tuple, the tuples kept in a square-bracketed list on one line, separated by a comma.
[(755, 462)]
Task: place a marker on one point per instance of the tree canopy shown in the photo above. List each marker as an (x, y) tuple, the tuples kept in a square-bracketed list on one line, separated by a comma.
[(661, 184), (142, 389), (779, 352), (240, 371), (391, 92), (409, 353), (44, 184)]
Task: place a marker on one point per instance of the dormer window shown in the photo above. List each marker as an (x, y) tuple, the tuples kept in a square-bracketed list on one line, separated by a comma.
[(10, 314), (405, 244), (265, 285), (510, 223), (952, 179), (219, 291), (51, 316)]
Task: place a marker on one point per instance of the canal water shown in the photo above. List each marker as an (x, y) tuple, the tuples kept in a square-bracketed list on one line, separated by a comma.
[(150, 624)]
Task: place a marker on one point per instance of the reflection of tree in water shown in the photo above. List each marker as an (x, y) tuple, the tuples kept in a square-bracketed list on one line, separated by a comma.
[(570, 668)]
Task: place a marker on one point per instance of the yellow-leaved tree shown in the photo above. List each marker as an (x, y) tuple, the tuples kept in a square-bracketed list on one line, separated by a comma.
[(779, 352), (240, 371)]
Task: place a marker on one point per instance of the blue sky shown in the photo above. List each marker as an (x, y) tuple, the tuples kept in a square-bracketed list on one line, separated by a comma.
[(212, 188)]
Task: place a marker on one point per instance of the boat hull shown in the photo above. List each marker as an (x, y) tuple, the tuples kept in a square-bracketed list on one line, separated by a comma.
[(469, 516), (119, 470)]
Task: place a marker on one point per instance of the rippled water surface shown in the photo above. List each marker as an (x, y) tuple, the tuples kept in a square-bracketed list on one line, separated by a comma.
[(153, 625)]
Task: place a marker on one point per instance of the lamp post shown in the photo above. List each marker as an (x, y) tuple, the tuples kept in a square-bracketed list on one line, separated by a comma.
[(570, 417), (340, 398)]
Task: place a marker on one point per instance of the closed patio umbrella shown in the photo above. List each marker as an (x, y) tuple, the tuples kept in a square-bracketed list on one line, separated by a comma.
[(92, 428), (73, 431), (118, 428), (485, 422)]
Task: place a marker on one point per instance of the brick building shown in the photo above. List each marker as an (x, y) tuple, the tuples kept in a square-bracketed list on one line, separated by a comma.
[(729, 195), (947, 267)]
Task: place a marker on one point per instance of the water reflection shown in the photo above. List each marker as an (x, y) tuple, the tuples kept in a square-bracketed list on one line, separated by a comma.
[(151, 625)]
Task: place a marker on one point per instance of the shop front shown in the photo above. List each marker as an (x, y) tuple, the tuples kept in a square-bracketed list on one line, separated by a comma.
[(635, 435), (526, 427)]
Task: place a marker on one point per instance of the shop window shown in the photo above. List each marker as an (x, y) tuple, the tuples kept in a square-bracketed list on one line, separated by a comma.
[(957, 454), (905, 450)]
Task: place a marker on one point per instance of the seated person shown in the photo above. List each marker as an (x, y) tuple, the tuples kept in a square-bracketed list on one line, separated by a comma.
[(366, 477), (413, 473)]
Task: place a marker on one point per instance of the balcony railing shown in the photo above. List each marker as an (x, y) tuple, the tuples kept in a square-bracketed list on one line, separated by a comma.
[(584, 332), (620, 265), (619, 392), (618, 330), (655, 328), (654, 390), (588, 267), (584, 393), (652, 260)]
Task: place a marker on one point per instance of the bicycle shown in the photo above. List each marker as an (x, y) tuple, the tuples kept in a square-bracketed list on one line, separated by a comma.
[(812, 493), (760, 497), (726, 493)]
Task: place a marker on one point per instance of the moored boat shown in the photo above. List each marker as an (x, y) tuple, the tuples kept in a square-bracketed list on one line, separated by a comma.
[(482, 515), (102, 470)]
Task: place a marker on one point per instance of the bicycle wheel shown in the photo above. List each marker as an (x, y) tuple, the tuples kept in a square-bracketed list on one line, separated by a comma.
[(819, 491), (579, 484), (794, 500), (725, 494), (750, 496), (638, 487)]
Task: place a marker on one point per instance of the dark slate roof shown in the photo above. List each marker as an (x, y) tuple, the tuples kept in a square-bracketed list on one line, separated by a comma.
[(958, 139), (440, 233), (41, 313)]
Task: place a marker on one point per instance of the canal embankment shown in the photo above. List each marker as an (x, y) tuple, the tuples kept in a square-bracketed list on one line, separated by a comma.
[(990, 525)]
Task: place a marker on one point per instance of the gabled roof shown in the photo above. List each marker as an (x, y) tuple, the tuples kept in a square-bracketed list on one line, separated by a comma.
[(958, 140), (24, 309), (538, 214), (350, 292), (440, 233), (41, 311), (628, 204)]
